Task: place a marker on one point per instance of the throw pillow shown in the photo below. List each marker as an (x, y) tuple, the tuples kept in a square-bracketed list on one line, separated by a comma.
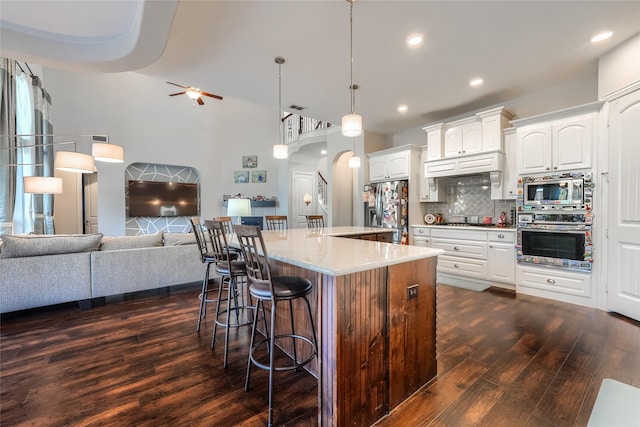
[(131, 242), (36, 245), (177, 239)]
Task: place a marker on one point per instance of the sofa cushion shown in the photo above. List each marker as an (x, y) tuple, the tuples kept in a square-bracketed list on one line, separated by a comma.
[(131, 242), (35, 245), (177, 239)]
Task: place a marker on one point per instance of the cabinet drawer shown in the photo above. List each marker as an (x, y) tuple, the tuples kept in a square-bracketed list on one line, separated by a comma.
[(462, 266), (459, 233), (461, 248), (553, 280), (421, 231), (502, 236), (423, 241)]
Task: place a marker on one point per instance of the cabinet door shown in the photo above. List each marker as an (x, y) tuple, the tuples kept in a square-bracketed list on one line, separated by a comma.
[(424, 187), (502, 262), (534, 150), (434, 144), (378, 168), (453, 141), (472, 138), (398, 165), (572, 144), (492, 133), (510, 170)]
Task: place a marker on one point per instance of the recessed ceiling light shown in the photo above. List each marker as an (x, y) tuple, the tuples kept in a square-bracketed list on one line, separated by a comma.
[(476, 82), (323, 152), (601, 37), (402, 108), (415, 40)]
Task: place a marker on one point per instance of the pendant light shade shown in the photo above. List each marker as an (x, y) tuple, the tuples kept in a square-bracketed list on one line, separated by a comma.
[(352, 125), (352, 122), (70, 161), (110, 153), (354, 162), (280, 150), (42, 185)]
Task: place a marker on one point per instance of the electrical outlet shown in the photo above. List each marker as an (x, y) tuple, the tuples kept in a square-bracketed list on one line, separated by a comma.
[(412, 291)]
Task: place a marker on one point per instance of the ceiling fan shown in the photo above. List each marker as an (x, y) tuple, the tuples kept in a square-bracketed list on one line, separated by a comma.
[(194, 93)]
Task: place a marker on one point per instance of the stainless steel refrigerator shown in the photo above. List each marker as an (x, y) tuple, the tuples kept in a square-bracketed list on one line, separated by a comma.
[(387, 206)]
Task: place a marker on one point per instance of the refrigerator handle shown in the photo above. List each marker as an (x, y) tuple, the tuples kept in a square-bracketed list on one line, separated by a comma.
[(379, 210)]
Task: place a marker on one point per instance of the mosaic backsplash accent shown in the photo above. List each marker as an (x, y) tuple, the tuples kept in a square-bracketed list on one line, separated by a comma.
[(162, 173), (471, 196)]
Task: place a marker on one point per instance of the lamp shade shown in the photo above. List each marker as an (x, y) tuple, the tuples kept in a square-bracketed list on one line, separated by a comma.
[(110, 153), (70, 161), (239, 207), (280, 151), (354, 162), (352, 125), (42, 185)]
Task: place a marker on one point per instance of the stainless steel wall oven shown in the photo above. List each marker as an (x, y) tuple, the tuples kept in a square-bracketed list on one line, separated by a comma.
[(554, 221)]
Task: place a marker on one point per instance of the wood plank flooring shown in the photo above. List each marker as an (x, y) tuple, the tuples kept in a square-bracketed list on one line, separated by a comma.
[(502, 360)]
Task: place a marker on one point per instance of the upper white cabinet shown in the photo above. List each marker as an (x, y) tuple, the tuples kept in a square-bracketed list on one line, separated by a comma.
[(462, 138), (431, 189), (558, 144), (479, 133), (389, 166), (509, 183)]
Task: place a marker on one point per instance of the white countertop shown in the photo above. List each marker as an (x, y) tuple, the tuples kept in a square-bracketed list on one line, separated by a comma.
[(324, 252)]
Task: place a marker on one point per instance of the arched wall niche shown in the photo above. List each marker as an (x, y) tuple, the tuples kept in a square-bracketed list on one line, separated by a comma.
[(160, 173)]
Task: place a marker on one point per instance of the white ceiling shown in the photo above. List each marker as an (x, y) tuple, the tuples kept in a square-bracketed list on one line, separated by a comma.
[(228, 48)]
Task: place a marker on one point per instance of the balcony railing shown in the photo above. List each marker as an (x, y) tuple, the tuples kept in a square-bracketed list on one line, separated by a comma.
[(295, 125)]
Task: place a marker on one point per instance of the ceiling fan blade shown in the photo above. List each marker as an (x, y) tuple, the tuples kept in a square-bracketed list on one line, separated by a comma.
[(211, 95), (199, 101), (175, 84), (178, 93)]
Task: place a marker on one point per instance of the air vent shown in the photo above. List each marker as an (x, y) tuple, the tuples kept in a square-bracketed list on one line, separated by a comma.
[(296, 107), (100, 138)]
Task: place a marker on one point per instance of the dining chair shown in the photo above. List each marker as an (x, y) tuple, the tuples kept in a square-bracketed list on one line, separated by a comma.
[(315, 221), (276, 222), (207, 257)]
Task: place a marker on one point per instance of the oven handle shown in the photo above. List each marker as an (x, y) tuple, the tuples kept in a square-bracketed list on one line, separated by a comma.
[(556, 230)]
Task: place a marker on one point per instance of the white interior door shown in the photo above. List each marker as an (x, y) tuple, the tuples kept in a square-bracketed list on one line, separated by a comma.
[(623, 279), (90, 204), (302, 183)]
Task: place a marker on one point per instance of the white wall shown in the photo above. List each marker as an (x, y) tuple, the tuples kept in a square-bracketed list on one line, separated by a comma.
[(619, 68), (136, 112)]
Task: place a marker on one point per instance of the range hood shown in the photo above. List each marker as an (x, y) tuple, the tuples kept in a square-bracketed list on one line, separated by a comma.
[(465, 165)]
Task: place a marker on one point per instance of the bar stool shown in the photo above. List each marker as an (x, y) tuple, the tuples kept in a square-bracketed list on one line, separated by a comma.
[(276, 222), (265, 287), (227, 222), (315, 221), (233, 273), (208, 258)]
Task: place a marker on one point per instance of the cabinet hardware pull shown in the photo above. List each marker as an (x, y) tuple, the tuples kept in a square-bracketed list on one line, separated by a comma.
[(555, 167), (456, 265), (551, 281), (500, 236), (547, 168), (455, 248), (491, 246)]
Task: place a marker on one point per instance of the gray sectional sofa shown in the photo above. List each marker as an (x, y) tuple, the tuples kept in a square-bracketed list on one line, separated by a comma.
[(36, 271)]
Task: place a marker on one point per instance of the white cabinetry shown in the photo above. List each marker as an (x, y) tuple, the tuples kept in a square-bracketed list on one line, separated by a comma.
[(562, 285), (431, 189), (475, 258), (462, 138), (501, 256), (551, 144), (384, 167), (421, 236), (509, 182), (435, 141)]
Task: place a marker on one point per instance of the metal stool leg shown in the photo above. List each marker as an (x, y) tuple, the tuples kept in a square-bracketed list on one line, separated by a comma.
[(293, 332), (215, 323), (251, 343), (271, 360), (203, 297)]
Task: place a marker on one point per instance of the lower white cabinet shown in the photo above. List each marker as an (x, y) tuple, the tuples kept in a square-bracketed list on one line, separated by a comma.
[(501, 255), (421, 236), (554, 280)]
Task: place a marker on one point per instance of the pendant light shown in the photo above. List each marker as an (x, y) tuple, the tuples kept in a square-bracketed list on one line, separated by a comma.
[(352, 122), (280, 150), (42, 185), (354, 161)]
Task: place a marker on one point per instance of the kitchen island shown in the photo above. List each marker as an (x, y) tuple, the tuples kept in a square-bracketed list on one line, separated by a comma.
[(374, 312)]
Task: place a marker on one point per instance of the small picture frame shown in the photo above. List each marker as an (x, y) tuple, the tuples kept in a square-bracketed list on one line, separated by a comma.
[(241, 177), (259, 176), (250, 162)]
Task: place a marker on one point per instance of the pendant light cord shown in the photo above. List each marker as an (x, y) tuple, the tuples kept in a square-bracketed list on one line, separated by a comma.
[(280, 124), (353, 97)]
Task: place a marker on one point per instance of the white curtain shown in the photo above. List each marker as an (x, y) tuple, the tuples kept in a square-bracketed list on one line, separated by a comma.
[(7, 145)]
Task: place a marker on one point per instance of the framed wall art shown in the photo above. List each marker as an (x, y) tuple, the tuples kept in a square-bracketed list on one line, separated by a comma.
[(259, 176), (250, 162), (240, 177)]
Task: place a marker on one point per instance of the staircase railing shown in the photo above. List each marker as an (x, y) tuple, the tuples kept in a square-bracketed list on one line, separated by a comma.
[(323, 196), (295, 125)]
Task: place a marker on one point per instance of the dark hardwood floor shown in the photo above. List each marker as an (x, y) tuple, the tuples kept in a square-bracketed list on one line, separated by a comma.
[(502, 360)]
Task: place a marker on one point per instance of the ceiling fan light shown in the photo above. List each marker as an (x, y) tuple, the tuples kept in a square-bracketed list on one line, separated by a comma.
[(193, 94), (110, 153), (70, 161), (352, 125), (42, 185), (280, 151)]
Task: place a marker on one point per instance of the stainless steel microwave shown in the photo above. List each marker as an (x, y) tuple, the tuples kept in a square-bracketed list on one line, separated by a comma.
[(572, 190)]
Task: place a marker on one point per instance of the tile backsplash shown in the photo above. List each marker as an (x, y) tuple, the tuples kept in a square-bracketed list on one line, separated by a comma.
[(471, 196)]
